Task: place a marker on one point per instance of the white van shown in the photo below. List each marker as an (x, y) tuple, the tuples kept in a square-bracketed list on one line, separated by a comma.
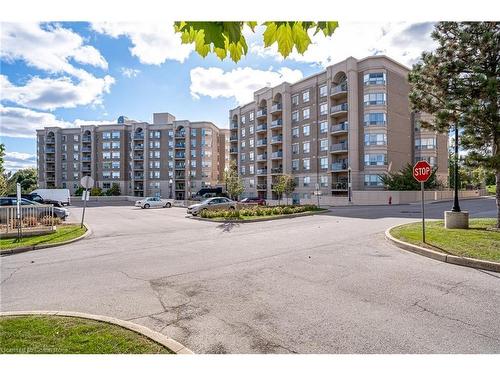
[(61, 195)]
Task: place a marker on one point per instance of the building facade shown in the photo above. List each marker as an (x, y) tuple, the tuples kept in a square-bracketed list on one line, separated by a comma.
[(167, 158), (342, 127)]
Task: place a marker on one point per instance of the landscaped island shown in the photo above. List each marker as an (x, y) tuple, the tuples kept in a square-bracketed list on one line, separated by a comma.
[(259, 212)]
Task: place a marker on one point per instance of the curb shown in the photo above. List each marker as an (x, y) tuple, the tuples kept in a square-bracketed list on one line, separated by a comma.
[(452, 259), (157, 337), (18, 250), (289, 216)]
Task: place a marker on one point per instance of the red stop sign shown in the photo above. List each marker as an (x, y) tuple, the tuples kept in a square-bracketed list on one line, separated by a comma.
[(422, 171)]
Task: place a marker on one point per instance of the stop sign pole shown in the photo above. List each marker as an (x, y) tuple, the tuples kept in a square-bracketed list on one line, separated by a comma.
[(422, 172), (87, 182)]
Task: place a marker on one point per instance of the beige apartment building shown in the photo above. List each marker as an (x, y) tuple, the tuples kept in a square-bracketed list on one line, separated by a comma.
[(340, 128), (168, 158)]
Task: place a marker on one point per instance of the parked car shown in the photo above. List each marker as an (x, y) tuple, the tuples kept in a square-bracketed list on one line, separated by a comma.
[(215, 203), (34, 197), (61, 213), (253, 201), (205, 193), (60, 195), (150, 202)]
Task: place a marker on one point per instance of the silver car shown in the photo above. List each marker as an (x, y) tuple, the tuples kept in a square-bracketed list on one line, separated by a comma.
[(215, 203), (154, 202)]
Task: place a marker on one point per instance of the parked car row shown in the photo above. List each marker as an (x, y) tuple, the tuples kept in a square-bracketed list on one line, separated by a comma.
[(154, 202), (61, 213)]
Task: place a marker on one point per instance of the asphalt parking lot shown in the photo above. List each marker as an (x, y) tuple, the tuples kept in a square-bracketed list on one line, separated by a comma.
[(328, 283)]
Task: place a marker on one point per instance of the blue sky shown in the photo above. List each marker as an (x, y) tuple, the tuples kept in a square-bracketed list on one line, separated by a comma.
[(67, 74)]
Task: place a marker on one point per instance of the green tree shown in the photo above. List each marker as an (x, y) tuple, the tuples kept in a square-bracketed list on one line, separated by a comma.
[(279, 187), (79, 191), (26, 177), (96, 192), (458, 85), (3, 177), (404, 180), (114, 190), (223, 38), (233, 181)]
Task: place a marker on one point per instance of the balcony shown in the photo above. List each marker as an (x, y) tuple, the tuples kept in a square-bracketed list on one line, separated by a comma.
[(138, 188), (138, 167), (339, 186), (50, 141), (180, 134), (338, 90), (339, 147), (50, 160), (261, 113), (180, 166), (86, 139), (138, 136), (86, 158), (262, 157), (51, 169), (233, 150), (340, 128), (233, 138), (139, 146), (86, 169), (261, 128), (138, 176), (180, 175), (276, 108), (261, 142), (234, 125), (181, 187), (277, 139), (50, 150), (339, 167), (86, 149), (180, 145), (180, 155), (138, 157), (261, 171), (337, 110), (277, 123), (277, 170), (50, 178), (261, 187), (277, 155)]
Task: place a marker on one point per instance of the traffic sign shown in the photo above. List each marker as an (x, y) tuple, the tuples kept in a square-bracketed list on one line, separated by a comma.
[(87, 182), (422, 171)]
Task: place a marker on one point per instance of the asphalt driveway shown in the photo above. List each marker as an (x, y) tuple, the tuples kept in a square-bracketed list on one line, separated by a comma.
[(328, 283)]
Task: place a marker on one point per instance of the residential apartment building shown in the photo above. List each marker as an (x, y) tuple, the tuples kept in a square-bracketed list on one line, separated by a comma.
[(348, 124), (167, 158)]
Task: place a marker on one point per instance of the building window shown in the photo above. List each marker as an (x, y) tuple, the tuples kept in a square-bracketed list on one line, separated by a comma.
[(295, 164), (373, 180), (76, 166), (250, 129), (375, 159), (154, 164), (76, 175), (115, 165), (305, 113), (430, 159), (106, 175), (375, 139), (63, 138), (76, 138), (375, 118), (295, 132), (243, 119), (374, 79), (376, 98), (323, 163), (106, 145), (307, 181), (295, 149), (76, 148), (115, 155), (323, 91), (243, 144), (116, 145), (250, 142), (323, 127), (323, 145), (243, 169), (64, 175), (193, 132), (106, 185), (115, 135), (305, 96), (243, 157), (251, 155), (295, 116), (295, 99), (75, 157), (106, 135), (323, 181), (306, 147), (306, 130), (154, 134), (251, 169), (323, 109), (306, 164), (251, 116), (64, 148), (193, 163), (425, 143)]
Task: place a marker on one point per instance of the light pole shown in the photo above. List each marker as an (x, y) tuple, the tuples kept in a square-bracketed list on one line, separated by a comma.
[(170, 185), (456, 205), (349, 183)]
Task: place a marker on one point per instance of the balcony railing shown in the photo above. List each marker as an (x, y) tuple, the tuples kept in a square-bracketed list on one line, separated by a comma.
[(261, 142), (50, 141), (262, 171), (276, 108), (50, 150), (261, 113), (261, 187), (277, 123), (339, 147), (139, 136), (138, 157), (233, 150), (338, 89), (180, 155), (233, 138), (339, 186), (86, 158), (277, 139), (86, 169), (180, 145), (86, 138), (261, 157), (50, 160), (180, 166), (234, 125), (277, 155), (261, 128), (139, 146), (180, 134), (277, 170), (338, 108), (138, 167), (138, 176), (339, 166), (86, 149), (342, 127)]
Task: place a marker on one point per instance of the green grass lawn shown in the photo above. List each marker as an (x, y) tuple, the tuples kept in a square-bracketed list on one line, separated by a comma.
[(63, 233), (66, 335), (491, 189), (475, 242)]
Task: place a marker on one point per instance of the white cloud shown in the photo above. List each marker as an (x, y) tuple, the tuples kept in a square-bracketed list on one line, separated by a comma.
[(239, 83), (130, 72), (22, 122), (14, 161), (48, 47), (152, 42), (52, 93), (401, 41)]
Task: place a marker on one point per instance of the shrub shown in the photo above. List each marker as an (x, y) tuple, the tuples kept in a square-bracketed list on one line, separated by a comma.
[(30, 221), (49, 220)]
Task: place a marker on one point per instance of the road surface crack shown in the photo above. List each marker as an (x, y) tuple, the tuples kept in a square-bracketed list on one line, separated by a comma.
[(10, 276)]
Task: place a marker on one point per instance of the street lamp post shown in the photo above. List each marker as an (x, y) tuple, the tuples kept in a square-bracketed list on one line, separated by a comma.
[(349, 183), (170, 185), (456, 205)]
